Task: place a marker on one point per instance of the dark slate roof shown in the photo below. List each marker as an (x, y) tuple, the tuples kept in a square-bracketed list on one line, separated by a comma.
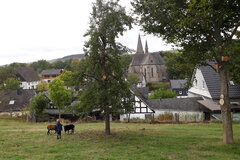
[(137, 59), (21, 99), (27, 73), (141, 92), (147, 59), (179, 83), (153, 59), (212, 80), (51, 72), (177, 104)]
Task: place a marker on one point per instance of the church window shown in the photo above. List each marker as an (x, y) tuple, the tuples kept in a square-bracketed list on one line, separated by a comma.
[(144, 71), (152, 71)]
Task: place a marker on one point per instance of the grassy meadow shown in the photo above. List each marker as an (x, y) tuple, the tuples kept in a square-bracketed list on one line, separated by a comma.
[(129, 141)]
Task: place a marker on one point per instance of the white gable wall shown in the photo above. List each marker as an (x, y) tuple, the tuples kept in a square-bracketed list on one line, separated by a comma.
[(199, 87), (141, 110), (29, 85)]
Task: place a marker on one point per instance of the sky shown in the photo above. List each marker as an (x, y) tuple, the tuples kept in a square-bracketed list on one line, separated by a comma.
[(31, 30)]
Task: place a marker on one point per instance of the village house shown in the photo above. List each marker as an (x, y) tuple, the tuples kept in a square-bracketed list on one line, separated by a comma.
[(50, 74), (28, 77), (13, 102), (206, 84), (179, 87), (171, 109), (151, 66)]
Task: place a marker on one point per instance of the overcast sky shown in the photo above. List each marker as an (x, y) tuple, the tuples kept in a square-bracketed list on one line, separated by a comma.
[(31, 30)]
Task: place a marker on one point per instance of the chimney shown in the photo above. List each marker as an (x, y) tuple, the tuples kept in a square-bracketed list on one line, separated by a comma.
[(19, 92)]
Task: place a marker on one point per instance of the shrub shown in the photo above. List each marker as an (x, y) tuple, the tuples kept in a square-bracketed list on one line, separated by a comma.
[(161, 94)]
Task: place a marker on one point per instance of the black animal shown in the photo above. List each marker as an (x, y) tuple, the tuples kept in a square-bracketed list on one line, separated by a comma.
[(69, 127)]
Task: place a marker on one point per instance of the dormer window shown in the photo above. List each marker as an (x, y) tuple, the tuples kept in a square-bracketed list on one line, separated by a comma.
[(231, 83), (203, 84), (11, 102)]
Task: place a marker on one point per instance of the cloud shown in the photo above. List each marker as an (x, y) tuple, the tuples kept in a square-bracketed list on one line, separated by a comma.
[(45, 29)]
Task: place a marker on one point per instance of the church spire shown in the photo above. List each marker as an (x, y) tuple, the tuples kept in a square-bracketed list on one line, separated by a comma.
[(146, 47), (139, 46)]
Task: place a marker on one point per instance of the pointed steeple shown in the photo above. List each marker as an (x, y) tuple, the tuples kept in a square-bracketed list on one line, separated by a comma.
[(139, 46), (146, 48)]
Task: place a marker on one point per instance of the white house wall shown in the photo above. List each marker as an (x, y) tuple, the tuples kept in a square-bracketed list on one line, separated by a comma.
[(183, 116), (29, 85), (139, 113), (123, 117), (199, 87)]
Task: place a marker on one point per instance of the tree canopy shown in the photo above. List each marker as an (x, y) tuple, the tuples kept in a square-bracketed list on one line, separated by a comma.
[(38, 104), (59, 94), (42, 86), (177, 65), (204, 29), (102, 74), (132, 79)]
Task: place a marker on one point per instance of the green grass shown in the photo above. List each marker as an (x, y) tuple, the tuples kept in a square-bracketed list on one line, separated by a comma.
[(198, 141)]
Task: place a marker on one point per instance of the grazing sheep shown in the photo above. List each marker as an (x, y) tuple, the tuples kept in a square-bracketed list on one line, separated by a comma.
[(69, 127), (50, 127)]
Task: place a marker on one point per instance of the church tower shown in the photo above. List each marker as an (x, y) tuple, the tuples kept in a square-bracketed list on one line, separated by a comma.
[(139, 46), (146, 48)]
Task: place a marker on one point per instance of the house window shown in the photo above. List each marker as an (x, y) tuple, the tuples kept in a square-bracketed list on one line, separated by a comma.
[(152, 71), (180, 92), (195, 83), (231, 83), (203, 84), (11, 101)]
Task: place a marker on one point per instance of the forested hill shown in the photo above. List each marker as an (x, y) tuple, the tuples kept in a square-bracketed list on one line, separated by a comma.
[(78, 56)]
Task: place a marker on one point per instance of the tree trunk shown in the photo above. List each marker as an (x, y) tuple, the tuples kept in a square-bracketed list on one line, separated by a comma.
[(59, 114), (226, 108), (107, 122)]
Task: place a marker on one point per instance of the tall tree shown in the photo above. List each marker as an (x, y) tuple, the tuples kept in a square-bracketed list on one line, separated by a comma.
[(12, 83), (38, 104), (6, 72), (67, 78), (204, 29), (132, 79), (40, 65), (59, 95), (126, 60), (177, 65), (103, 84), (42, 86)]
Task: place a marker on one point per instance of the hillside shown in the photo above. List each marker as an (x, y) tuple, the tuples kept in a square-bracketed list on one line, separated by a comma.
[(78, 56)]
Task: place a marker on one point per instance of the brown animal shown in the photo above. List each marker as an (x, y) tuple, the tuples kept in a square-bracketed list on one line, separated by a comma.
[(50, 127)]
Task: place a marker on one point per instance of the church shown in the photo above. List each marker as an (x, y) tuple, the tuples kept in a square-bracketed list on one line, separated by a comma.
[(149, 67)]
